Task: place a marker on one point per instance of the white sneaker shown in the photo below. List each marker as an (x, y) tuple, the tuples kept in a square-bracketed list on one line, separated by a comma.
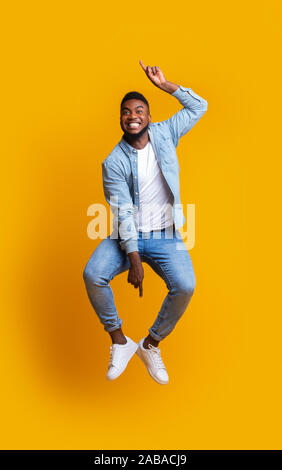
[(153, 361), (120, 356)]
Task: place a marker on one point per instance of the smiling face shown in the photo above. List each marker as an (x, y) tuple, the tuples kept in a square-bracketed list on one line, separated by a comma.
[(134, 118)]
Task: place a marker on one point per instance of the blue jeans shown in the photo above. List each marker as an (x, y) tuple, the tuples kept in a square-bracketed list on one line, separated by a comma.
[(173, 265)]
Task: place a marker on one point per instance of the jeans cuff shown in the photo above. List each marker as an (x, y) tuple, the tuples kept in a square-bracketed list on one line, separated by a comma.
[(154, 335), (109, 329)]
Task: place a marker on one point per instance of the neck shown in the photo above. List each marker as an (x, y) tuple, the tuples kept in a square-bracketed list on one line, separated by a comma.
[(137, 142)]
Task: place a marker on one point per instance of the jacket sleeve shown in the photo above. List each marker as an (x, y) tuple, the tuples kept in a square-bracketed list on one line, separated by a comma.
[(117, 194), (193, 109)]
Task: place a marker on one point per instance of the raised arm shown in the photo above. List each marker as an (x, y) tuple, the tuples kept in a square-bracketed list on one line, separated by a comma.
[(194, 107)]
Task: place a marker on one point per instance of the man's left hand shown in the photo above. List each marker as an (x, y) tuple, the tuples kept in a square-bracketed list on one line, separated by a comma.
[(154, 74)]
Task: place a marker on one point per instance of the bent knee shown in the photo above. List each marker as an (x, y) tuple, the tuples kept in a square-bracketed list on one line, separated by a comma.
[(86, 274), (93, 276), (186, 287)]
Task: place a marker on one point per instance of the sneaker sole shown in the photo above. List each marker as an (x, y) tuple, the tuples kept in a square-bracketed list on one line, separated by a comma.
[(139, 354), (130, 357)]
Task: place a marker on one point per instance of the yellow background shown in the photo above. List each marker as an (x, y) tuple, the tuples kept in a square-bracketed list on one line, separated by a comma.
[(65, 69)]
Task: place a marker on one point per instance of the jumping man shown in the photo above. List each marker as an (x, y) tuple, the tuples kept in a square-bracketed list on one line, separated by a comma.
[(141, 184)]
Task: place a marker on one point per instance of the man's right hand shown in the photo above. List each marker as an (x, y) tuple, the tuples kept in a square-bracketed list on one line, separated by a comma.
[(136, 272)]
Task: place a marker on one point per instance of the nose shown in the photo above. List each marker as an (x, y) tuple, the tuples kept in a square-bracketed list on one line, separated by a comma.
[(133, 117)]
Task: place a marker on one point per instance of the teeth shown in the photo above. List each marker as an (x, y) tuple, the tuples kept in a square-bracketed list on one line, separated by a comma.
[(134, 124)]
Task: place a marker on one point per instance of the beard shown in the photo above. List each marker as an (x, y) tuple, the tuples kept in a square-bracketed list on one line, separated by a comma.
[(132, 137)]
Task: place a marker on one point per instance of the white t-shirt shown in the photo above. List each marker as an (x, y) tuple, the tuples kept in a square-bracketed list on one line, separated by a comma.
[(155, 198)]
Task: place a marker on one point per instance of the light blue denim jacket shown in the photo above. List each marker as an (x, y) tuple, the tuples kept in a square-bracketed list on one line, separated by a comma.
[(120, 168)]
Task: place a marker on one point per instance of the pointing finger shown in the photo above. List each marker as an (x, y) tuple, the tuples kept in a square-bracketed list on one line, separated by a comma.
[(142, 65)]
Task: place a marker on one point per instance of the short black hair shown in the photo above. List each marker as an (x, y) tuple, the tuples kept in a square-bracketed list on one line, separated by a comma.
[(134, 95)]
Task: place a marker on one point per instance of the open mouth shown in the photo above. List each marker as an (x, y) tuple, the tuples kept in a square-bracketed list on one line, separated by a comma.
[(134, 125)]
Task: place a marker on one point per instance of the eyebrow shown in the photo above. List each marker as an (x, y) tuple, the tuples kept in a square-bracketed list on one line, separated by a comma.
[(139, 106)]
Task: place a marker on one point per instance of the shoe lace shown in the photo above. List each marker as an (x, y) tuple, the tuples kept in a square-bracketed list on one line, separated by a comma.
[(156, 356)]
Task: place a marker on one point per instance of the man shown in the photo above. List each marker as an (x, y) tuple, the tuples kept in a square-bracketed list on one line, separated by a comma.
[(141, 184)]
